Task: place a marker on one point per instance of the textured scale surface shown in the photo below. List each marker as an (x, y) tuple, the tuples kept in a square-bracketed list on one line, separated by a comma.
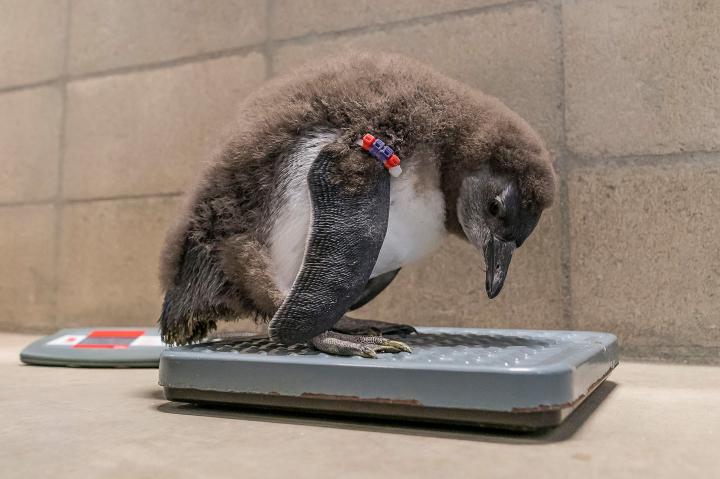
[(468, 347)]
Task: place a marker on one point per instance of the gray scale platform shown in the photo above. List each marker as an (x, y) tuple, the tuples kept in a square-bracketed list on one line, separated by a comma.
[(503, 378)]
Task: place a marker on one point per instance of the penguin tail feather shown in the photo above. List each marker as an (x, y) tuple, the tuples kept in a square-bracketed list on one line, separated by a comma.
[(195, 299)]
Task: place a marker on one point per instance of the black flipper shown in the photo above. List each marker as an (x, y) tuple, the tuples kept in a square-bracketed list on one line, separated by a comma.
[(348, 228), (374, 287), (368, 326), (371, 327)]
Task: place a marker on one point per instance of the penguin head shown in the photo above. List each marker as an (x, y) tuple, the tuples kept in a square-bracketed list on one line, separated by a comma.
[(505, 185), (495, 219)]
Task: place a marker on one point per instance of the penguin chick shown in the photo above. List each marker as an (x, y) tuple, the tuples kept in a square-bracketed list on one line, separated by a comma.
[(294, 223)]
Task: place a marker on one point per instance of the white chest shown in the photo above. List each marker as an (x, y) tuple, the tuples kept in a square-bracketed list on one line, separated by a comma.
[(416, 223)]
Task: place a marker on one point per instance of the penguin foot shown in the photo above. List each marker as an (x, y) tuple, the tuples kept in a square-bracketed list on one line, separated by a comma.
[(369, 327), (340, 344)]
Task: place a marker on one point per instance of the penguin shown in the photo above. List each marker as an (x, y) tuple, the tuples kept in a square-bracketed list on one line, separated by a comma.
[(332, 179)]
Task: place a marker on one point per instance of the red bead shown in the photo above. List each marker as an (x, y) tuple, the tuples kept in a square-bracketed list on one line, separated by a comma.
[(393, 161), (368, 141)]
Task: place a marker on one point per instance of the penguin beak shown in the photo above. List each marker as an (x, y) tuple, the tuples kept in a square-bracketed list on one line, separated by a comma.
[(498, 254)]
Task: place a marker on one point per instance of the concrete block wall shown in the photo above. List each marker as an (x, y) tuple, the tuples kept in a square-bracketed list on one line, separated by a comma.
[(107, 107)]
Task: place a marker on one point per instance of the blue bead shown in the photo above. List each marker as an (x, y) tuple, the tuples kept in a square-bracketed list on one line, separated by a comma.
[(377, 146), (386, 153)]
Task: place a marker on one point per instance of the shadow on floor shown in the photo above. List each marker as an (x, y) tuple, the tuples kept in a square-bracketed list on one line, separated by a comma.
[(561, 433), (155, 393)]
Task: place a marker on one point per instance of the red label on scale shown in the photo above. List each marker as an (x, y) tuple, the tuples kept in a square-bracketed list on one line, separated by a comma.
[(100, 346), (109, 339)]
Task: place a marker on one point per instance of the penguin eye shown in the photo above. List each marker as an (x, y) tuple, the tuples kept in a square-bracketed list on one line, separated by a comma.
[(495, 207)]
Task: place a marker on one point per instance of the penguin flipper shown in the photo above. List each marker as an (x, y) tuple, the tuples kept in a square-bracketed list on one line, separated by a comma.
[(374, 287), (350, 195), (371, 327)]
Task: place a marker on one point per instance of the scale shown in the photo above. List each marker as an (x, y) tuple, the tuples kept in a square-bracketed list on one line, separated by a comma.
[(520, 379), (97, 347)]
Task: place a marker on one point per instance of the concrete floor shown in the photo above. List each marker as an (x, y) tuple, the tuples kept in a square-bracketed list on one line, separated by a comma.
[(647, 420)]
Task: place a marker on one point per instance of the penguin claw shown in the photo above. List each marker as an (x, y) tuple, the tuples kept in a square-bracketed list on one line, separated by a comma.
[(367, 352), (397, 346), (340, 344)]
